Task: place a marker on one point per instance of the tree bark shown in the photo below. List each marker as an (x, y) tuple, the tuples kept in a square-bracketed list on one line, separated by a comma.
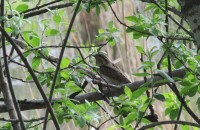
[(9, 106), (94, 96)]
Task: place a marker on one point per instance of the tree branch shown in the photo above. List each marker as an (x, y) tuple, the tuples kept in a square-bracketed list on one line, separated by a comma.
[(168, 122), (95, 96), (32, 74), (42, 11)]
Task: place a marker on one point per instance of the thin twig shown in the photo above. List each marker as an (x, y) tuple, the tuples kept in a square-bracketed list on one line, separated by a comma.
[(33, 76), (14, 100), (60, 58), (168, 122)]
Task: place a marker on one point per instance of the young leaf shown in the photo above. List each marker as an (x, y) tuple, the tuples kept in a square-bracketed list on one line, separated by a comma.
[(139, 92), (159, 96), (65, 75), (22, 7), (137, 35), (141, 74), (132, 19), (81, 121), (35, 42), (97, 10), (51, 32), (130, 118), (198, 103), (185, 127), (111, 42), (36, 62), (65, 63), (140, 49), (173, 114), (128, 92), (57, 19), (154, 53), (192, 91)]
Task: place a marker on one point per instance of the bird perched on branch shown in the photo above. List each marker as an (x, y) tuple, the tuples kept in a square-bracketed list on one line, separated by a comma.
[(109, 71), (113, 75)]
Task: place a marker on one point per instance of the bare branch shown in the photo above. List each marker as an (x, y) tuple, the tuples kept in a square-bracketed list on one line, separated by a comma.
[(95, 96), (168, 122)]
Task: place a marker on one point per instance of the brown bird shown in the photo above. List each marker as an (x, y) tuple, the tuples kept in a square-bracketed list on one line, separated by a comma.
[(113, 75), (109, 71)]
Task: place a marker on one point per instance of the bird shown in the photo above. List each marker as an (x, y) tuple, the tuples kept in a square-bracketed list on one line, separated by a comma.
[(113, 75), (109, 71)]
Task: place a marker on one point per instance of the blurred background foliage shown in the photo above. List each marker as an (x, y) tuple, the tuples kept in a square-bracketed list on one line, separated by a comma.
[(96, 24)]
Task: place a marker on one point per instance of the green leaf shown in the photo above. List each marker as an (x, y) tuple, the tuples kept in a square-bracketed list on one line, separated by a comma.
[(60, 90), (51, 32), (45, 52), (26, 36), (154, 53), (110, 24), (57, 19), (130, 118), (36, 62), (144, 120), (104, 6), (22, 7), (198, 103), (29, 77), (128, 92), (60, 119), (192, 91), (197, 57), (129, 30), (97, 10), (44, 23), (185, 127), (140, 49), (35, 42), (111, 42), (27, 53), (195, 128), (132, 19), (186, 82), (100, 31), (148, 64), (65, 63), (178, 64), (149, 7), (137, 35), (168, 110), (8, 30), (173, 114), (58, 81), (81, 121), (65, 75), (159, 96), (139, 92), (153, 49), (141, 74), (112, 127), (71, 87), (165, 75)]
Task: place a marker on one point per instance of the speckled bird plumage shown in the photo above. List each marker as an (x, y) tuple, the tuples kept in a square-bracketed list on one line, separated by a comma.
[(109, 71)]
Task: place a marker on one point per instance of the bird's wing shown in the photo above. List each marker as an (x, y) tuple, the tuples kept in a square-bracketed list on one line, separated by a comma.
[(114, 73)]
